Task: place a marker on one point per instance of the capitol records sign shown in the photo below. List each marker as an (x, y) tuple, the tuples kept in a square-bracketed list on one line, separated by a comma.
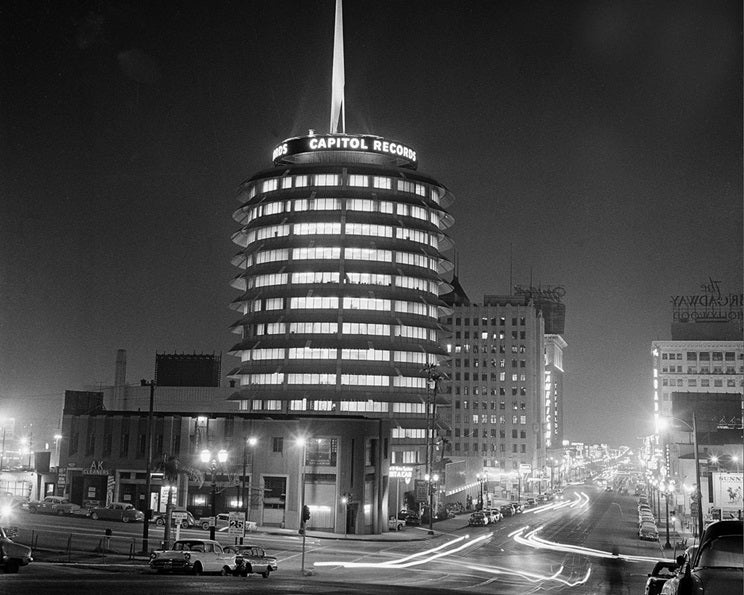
[(709, 305)]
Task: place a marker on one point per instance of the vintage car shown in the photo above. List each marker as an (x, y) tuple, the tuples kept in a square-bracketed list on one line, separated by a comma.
[(252, 559), (194, 556), (159, 518), (663, 570), (647, 531), (494, 515), (715, 566), (117, 511), (12, 555), (222, 522), (395, 524), (478, 519), (55, 505)]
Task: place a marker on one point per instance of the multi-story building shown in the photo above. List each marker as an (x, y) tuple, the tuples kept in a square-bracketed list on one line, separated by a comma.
[(341, 269), (496, 377)]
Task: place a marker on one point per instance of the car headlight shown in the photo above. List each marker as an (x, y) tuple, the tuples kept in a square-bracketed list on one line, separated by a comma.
[(187, 557)]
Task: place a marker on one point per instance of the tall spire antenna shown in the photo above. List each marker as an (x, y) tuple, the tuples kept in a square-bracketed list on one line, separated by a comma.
[(338, 109)]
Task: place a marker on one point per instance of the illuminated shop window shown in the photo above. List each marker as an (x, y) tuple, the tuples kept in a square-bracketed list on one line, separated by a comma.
[(358, 303), (317, 253), (312, 353), (326, 179), (315, 277), (382, 182), (313, 302), (317, 228), (311, 379), (313, 327), (368, 229), (381, 355), (358, 180), (368, 254)]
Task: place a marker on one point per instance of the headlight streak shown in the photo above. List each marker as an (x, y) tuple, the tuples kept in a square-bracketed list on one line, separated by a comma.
[(411, 560), (531, 540), (533, 577)]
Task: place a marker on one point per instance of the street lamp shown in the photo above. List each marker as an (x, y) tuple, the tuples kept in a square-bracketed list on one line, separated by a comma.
[(252, 443), (698, 492), (483, 479), (2, 453), (302, 442), (345, 502), (667, 545), (431, 481), (207, 458)]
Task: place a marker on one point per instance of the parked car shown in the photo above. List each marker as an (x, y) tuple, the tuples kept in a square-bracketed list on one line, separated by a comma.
[(507, 510), (662, 572), (194, 556), (117, 511), (395, 524), (410, 517), (55, 505), (12, 555), (221, 522), (252, 559), (478, 519), (715, 566), (159, 518), (493, 514), (648, 532)]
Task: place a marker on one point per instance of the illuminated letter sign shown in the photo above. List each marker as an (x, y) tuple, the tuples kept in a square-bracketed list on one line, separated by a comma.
[(403, 154)]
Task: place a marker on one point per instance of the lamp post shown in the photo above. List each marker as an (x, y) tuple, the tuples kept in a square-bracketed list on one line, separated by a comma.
[(148, 471), (698, 492), (345, 502), (302, 442), (206, 457), (433, 375), (252, 443), (667, 545), (2, 453)]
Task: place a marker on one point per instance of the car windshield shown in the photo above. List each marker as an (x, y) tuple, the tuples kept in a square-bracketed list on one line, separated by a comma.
[(724, 552), (186, 546)]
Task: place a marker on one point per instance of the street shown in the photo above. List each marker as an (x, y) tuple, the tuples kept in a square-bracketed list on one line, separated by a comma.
[(565, 547)]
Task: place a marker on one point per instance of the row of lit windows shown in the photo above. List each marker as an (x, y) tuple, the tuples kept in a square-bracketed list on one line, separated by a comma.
[(716, 369), (354, 180), (516, 405), (351, 278), (484, 391), (501, 363), (330, 379), (705, 356), (484, 321), (368, 406), (475, 348), (334, 253), (485, 418), (489, 447), (702, 382), (378, 355), (493, 432), (484, 335), (335, 228)]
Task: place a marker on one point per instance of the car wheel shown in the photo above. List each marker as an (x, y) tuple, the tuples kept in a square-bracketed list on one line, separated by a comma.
[(226, 571), (94, 516), (160, 522), (266, 574), (184, 525), (11, 567), (198, 569), (248, 570), (205, 526), (125, 519), (61, 512)]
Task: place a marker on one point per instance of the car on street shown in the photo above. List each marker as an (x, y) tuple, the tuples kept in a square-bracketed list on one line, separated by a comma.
[(507, 510), (410, 517), (395, 524), (661, 573), (252, 559), (193, 556), (12, 555), (715, 566), (221, 522), (493, 514), (55, 505), (648, 532), (117, 511), (159, 518), (477, 519)]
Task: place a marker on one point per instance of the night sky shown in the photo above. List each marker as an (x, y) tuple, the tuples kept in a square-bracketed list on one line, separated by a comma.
[(597, 142)]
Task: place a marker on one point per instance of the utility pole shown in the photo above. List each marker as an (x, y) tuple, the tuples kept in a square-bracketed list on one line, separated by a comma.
[(146, 524)]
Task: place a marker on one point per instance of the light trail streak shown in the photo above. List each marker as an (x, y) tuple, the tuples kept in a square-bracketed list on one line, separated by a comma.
[(412, 560), (532, 540), (532, 576)]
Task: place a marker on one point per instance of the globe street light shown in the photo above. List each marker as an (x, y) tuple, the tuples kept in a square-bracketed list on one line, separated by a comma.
[(207, 458)]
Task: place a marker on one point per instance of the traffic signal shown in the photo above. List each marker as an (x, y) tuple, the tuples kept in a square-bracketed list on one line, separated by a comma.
[(305, 513)]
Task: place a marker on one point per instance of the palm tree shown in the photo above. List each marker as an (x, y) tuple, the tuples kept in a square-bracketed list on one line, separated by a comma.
[(172, 470)]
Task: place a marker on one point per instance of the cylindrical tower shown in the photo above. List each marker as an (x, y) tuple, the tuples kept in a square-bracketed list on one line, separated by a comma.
[(341, 269)]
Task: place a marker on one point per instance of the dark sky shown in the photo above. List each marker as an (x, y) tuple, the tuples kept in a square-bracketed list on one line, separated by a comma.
[(599, 142)]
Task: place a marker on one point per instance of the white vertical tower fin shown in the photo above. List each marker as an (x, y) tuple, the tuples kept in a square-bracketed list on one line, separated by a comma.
[(338, 109)]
